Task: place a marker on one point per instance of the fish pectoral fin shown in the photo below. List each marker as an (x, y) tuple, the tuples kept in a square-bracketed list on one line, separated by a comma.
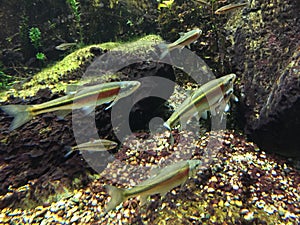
[(72, 89), (143, 199), (112, 104), (163, 194), (61, 114), (182, 185), (153, 172), (181, 34), (117, 197)]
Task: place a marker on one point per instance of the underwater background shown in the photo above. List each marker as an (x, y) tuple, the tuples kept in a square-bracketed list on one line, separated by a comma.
[(249, 170)]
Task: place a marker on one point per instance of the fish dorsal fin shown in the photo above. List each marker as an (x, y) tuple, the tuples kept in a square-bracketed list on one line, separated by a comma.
[(72, 89), (155, 171)]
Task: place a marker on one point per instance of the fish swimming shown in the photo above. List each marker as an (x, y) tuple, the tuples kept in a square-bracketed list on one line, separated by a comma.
[(185, 39), (228, 8), (93, 145), (202, 2), (65, 46), (212, 96), (165, 179), (96, 145), (85, 98)]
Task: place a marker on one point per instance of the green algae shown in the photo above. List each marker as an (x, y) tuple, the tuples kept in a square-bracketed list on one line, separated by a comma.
[(51, 77)]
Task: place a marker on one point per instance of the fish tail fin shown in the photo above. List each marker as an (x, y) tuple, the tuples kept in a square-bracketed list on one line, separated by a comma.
[(21, 114), (164, 48), (117, 197)]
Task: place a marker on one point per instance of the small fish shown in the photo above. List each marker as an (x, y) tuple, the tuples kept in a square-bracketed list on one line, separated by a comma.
[(93, 145), (185, 39), (212, 96), (202, 2), (96, 145), (165, 179), (65, 46), (228, 8), (85, 98)]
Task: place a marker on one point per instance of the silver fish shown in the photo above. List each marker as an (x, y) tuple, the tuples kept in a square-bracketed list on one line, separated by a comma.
[(184, 40), (65, 46), (85, 98), (93, 145), (212, 96), (165, 179), (228, 8)]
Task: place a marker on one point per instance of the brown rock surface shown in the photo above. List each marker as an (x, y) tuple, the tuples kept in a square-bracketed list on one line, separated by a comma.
[(266, 56)]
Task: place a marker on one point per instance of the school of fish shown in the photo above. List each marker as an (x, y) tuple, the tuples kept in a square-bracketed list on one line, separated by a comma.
[(212, 96)]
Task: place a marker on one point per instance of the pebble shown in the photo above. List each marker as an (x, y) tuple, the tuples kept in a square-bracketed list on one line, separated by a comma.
[(76, 197), (249, 216), (214, 179), (274, 173), (269, 209), (16, 212), (238, 203), (94, 202), (260, 204), (221, 203), (210, 190), (235, 187), (74, 218), (244, 211)]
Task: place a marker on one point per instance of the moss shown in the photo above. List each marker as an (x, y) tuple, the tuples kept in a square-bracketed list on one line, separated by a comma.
[(51, 76)]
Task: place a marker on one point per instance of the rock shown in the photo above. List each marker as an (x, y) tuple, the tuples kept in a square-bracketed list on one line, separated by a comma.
[(266, 57)]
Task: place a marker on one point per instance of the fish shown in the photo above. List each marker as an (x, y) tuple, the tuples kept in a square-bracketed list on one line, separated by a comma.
[(212, 96), (93, 145), (202, 2), (165, 179), (96, 145), (85, 98), (185, 39), (65, 46), (228, 8)]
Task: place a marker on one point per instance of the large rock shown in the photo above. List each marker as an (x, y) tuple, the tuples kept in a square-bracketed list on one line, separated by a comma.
[(266, 57)]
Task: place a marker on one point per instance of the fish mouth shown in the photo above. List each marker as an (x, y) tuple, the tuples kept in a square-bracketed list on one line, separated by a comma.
[(135, 84)]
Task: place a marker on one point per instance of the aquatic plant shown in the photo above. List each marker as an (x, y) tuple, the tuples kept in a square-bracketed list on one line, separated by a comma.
[(74, 5), (4, 79), (40, 56), (35, 37)]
